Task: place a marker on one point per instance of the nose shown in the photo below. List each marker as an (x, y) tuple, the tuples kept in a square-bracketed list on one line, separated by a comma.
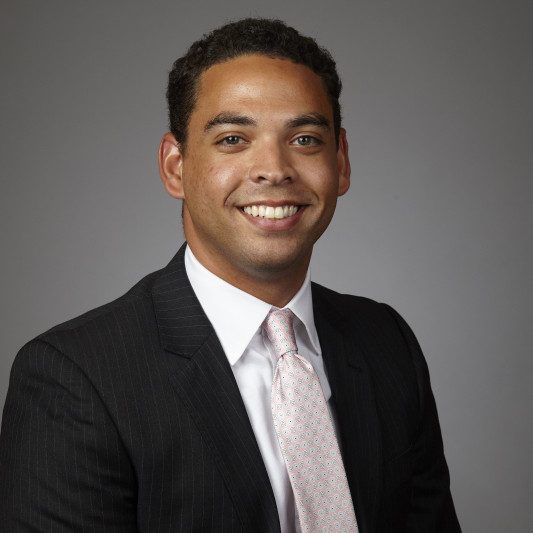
[(271, 163)]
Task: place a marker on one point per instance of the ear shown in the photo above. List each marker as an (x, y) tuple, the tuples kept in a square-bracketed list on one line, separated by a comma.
[(170, 165), (343, 163)]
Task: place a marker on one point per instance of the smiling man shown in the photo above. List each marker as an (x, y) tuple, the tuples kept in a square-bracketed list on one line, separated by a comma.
[(227, 392)]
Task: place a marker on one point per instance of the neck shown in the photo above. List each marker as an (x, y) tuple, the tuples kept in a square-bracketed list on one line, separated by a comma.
[(276, 289)]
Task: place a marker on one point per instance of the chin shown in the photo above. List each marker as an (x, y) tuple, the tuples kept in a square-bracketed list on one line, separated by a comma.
[(272, 262)]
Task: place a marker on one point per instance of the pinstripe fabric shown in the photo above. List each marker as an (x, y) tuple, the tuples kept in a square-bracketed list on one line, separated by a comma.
[(128, 418)]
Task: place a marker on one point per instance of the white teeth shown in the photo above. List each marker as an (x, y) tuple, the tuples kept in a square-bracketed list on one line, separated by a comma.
[(267, 211)]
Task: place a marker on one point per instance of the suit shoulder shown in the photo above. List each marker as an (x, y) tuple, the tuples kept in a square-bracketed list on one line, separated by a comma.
[(101, 318), (362, 310), (346, 301)]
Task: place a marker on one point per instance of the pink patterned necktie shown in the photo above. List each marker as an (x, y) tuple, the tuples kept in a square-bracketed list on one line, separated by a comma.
[(306, 436)]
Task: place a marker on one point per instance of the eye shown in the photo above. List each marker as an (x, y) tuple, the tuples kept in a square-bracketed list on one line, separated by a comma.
[(307, 140), (230, 140)]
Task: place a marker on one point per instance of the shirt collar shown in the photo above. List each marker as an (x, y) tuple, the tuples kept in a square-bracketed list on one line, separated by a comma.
[(225, 306)]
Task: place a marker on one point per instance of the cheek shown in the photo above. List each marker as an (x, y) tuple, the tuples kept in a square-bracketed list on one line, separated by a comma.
[(321, 172), (324, 183), (210, 179)]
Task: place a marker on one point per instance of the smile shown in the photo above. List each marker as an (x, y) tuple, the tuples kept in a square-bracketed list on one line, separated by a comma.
[(268, 211)]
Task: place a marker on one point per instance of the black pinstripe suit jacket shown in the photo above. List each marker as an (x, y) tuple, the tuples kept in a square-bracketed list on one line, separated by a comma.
[(128, 418)]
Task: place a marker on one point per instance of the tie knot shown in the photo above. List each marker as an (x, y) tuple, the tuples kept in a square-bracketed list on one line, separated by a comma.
[(279, 330)]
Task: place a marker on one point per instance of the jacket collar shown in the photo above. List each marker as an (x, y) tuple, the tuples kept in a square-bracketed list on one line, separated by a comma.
[(178, 310)]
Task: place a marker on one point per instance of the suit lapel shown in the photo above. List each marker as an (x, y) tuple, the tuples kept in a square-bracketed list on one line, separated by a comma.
[(206, 385), (354, 401)]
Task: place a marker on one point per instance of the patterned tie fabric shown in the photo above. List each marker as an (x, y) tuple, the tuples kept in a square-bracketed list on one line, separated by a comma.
[(306, 435)]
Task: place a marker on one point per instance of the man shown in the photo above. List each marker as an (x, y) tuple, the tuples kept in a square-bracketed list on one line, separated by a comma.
[(226, 392)]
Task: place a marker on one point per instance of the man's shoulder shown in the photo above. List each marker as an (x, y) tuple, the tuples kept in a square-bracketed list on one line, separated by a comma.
[(327, 298), (140, 291), (368, 317), (133, 309)]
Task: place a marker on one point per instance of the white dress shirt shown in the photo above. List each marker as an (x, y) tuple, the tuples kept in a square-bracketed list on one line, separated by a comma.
[(237, 317)]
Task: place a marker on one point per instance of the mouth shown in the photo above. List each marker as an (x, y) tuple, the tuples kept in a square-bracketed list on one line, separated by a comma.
[(271, 212), (273, 219)]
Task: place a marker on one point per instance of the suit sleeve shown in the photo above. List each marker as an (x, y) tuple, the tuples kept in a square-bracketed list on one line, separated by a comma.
[(63, 466), (432, 508)]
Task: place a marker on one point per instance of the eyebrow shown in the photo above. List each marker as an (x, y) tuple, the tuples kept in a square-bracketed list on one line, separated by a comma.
[(229, 118), (306, 119), (309, 119)]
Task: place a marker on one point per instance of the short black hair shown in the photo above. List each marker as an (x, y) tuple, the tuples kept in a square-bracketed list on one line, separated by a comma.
[(269, 37)]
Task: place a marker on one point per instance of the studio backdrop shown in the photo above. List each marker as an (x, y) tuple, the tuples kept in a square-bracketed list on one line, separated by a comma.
[(437, 223)]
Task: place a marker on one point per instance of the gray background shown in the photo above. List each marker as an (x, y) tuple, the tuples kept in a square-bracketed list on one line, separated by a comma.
[(438, 221)]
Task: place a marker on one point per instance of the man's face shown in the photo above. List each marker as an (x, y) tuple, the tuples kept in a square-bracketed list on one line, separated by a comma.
[(260, 137)]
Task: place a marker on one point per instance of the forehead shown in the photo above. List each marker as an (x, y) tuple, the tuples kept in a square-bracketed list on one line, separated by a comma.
[(259, 84)]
